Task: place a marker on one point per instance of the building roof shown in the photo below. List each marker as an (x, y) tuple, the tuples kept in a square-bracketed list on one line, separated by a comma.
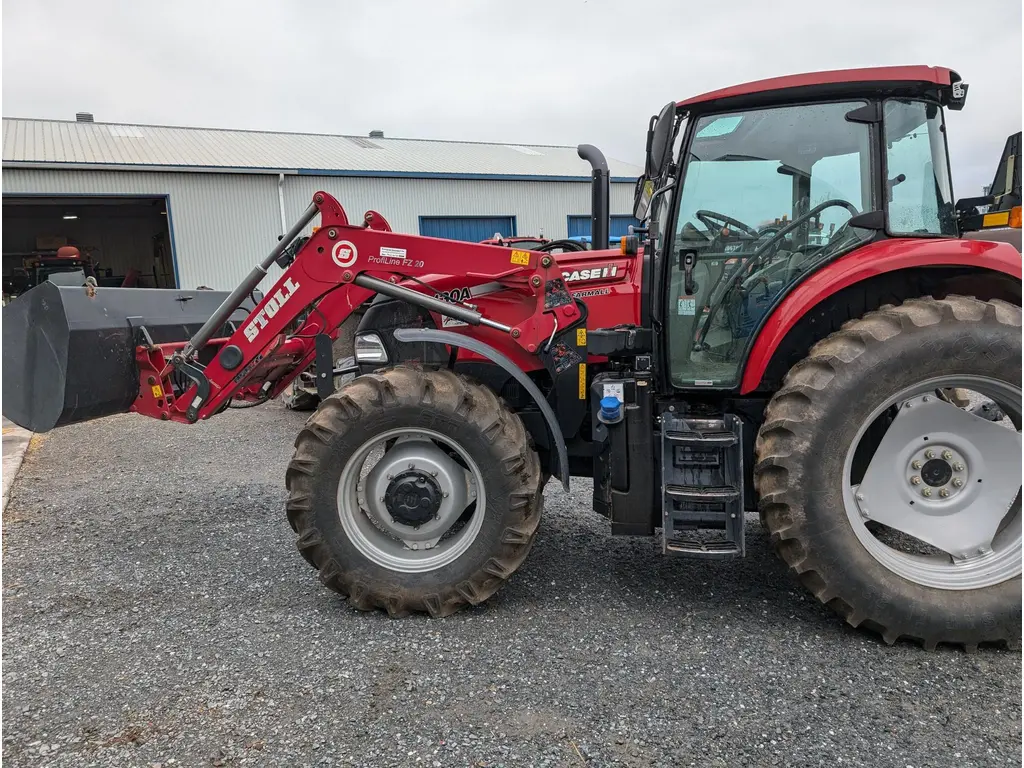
[(66, 144), (839, 79)]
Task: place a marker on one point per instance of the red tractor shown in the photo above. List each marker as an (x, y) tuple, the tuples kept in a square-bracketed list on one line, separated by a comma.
[(798, 327)]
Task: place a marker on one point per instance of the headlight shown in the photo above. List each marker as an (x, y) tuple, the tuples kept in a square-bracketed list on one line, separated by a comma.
[(370, 349)]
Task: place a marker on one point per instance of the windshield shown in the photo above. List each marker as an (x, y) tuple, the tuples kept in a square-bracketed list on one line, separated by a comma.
[(766, 196), (752, 172)]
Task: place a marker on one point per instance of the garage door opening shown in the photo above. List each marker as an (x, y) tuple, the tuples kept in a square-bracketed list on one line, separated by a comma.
[(122, 241)]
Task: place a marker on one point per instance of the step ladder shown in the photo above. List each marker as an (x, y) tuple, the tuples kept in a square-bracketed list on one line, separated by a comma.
[(702, 486)]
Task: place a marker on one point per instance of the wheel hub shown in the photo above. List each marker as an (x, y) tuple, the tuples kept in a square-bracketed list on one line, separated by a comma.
[(413, 498), (936, 471)]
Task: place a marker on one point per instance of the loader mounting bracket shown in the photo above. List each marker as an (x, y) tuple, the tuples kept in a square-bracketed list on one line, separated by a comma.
[(324, 366)]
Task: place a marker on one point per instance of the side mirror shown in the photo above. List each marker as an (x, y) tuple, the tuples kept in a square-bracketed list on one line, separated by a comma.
[(659, 140)]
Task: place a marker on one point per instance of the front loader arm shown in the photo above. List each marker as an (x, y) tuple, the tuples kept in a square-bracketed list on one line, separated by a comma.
[(338, 269)]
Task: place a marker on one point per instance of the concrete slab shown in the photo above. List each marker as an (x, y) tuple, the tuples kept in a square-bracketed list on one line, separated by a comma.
[(15, 442)]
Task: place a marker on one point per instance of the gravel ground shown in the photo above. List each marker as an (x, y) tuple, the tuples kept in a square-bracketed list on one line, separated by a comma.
[(156, 612)]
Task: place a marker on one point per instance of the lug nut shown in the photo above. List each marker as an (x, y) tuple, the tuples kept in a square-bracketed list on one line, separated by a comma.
[(915, 464), (957, 482), (943, 492), (915, 480), (958, 467), (929, 454), (926, 492), (947, 455)]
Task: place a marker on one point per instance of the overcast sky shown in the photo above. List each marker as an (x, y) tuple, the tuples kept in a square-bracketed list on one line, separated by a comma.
[(519, 71)]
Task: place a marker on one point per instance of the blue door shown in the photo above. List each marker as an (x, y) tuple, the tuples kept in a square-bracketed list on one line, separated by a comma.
[(579, 226), (470, 228)]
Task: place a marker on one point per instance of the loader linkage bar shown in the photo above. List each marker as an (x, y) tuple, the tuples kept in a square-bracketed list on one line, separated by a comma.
[(339, 268)]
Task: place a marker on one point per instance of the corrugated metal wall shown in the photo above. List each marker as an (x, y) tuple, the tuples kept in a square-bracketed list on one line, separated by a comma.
[(222, 224)]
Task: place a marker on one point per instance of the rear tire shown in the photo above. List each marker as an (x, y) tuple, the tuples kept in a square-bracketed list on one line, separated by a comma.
[(812, 421), (467, 415)]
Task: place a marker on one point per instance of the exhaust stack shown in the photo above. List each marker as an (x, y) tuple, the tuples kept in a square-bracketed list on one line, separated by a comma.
[(599, 200)]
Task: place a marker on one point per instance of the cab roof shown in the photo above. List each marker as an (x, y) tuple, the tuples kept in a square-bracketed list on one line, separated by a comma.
[(916, 80)]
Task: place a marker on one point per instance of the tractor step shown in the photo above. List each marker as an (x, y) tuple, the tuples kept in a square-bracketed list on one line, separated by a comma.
[(702, 482)]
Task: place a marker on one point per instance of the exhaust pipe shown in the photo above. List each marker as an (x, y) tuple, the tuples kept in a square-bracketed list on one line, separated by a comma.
[(599, 200)]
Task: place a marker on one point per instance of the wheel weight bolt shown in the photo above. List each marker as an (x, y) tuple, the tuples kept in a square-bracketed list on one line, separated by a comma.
[(915, 480), (947, 455), (943, 493), (915, 464), (957, 482), (929, 454), (926, 492), (958, 467)]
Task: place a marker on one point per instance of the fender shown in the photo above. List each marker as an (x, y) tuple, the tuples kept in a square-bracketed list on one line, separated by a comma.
[(486, 350), (865, 262)]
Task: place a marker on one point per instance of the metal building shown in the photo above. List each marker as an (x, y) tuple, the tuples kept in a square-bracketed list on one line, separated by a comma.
[(193, 206)]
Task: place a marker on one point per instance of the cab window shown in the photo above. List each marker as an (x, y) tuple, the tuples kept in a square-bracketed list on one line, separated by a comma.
[(920, 198)]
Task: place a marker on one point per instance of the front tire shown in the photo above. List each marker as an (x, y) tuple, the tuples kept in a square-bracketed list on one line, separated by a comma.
[(855, 386), (439, 431)]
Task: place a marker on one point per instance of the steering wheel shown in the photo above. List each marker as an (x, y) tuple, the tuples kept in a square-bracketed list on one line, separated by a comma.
[(707, 218), (741, 276), (766, 248)]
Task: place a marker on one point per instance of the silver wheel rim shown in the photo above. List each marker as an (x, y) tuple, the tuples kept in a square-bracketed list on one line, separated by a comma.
[(405, 548), (968, 511)]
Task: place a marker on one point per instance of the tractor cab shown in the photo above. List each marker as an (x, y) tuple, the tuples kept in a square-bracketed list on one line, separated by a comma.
[(770, 181)]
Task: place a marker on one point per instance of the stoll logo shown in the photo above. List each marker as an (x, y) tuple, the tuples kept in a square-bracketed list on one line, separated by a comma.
[(274, 303), (344, 254)]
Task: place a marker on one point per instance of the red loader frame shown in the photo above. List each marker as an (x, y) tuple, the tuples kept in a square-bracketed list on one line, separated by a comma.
[(339, 268)]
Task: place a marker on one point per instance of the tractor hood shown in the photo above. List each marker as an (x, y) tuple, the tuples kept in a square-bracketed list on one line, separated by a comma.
[(607, 281)]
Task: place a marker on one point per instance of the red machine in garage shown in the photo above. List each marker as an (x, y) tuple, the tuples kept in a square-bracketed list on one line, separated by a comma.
[(796, 328)]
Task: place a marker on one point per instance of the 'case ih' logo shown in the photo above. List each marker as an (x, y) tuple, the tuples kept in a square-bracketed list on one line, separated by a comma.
[(590, 274), (274, 303)]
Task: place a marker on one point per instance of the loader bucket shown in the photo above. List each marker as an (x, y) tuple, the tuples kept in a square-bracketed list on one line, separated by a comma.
[(69, 352)]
